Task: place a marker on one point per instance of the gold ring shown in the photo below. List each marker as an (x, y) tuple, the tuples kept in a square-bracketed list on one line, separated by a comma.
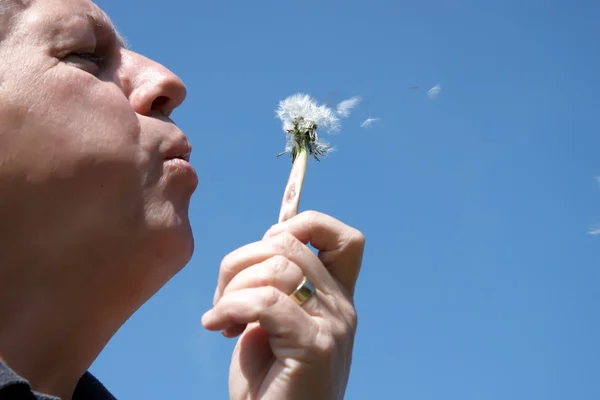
[(303, 292)]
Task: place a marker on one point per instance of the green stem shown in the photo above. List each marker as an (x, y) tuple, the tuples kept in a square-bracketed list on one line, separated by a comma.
[(291, 196)]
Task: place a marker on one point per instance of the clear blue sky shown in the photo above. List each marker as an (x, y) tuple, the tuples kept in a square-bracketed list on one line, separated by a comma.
[(480, 280)]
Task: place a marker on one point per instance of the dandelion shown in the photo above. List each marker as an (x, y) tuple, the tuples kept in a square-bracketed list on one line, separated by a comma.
[(434, 91), (345, 106), (301, 117), (368, 122)]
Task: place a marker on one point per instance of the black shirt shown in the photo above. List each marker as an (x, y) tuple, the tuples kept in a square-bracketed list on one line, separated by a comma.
[(13, 387)]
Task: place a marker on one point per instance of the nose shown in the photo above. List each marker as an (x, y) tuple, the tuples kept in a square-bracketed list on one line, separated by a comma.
[(151, 87)]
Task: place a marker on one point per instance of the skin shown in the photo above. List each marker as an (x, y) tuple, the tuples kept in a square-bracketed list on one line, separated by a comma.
[(291, 352), (94, 215)]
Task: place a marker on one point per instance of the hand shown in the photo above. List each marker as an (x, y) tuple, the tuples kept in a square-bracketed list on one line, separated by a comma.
[(287, 351)]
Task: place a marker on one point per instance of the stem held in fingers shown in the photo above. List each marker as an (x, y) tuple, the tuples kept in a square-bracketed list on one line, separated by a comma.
[(291, 196)]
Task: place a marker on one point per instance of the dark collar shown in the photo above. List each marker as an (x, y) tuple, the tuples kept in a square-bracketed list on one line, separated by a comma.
[(88, 387)]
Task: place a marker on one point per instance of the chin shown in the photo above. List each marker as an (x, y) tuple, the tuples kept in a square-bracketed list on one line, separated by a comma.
[(175, 244), (161, 257), (167, 241), (182, 245)]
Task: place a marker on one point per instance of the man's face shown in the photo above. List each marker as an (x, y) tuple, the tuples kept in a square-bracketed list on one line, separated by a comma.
[(84, 142)]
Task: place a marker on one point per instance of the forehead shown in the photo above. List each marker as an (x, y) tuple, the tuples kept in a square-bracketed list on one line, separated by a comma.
[(66, 12)]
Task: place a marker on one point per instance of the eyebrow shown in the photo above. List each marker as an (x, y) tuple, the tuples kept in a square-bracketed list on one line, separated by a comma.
[(121, 40), (99, 19)]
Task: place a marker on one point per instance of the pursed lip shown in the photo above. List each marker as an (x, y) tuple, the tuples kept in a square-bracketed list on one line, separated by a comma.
[(177, 158), (182, 149)]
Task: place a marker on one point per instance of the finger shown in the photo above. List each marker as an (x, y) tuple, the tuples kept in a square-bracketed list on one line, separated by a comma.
[(234, 330), (310, 264), (276, 313), (340, 246), (278, 272), (284, 245), (237, 260), (322, 231)]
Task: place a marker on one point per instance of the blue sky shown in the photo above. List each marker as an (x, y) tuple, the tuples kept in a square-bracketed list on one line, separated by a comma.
[(480, 280)]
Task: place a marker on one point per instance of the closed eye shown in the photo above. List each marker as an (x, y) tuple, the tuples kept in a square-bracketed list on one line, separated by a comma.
[(95, 58), (89, 62)]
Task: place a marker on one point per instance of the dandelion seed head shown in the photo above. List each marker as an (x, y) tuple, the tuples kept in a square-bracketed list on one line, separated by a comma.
[(301, 117), (301, 105)]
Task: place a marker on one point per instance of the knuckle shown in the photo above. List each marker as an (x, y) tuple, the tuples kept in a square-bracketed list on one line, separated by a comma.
[(271, 296), (311, 215), (286, 243), (352, 317), (357, 238), (326, 346), (226, 263), (347, 318), (346, 315), (279, 263), (271, 231)]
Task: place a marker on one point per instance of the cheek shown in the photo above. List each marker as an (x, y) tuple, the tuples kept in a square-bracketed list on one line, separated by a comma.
[(76, 118), (71, 140), (93, 111)]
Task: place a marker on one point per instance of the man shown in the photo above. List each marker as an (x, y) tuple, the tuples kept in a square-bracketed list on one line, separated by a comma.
[(95, 186)]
